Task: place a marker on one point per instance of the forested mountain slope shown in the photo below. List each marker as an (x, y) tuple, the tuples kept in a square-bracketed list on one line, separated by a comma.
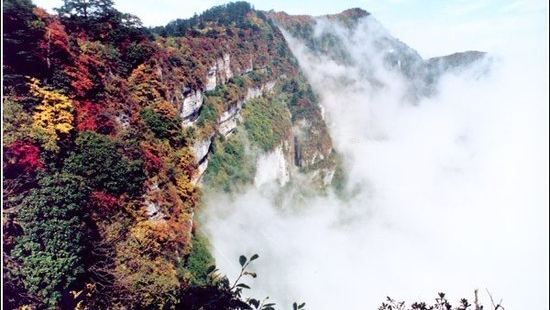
[(113, 131), (110, 130)]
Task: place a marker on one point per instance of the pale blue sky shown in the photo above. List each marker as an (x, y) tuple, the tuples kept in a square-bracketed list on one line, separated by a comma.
[(433, 27)]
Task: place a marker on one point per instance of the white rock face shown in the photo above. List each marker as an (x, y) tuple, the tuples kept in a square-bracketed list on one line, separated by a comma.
[(228, 120), (192, 102), (268, 86), (228, 126), (253, 92), (220, 72), (327, 178), (211, 80), (124, 120), (272, 167), (249, 68), (231, 113), (322, 111), (201, 148), (226, 67), (152, 208), (153, 211), (200, 172), (256, 92)]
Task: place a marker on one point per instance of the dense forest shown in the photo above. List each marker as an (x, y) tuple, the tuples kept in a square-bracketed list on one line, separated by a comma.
[(110, 128), (100, 179)]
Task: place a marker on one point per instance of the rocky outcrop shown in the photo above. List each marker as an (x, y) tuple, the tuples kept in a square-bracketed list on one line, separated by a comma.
[(211, 79), (249, 68), (201, 148), (227, 122), (123, 120), (190, 107), (201, 168), (272, 166), (153, 209), (200, 152), (219, 73), (224, 68)]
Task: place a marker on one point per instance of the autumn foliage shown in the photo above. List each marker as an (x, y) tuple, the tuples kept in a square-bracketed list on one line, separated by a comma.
[(97, 155), (21, 157)]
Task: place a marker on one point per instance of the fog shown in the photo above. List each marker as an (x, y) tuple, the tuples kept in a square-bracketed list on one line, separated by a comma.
[(450, 193)]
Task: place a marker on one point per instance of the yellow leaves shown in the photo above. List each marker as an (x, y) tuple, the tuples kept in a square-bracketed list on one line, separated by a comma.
[(81, 298), (185, 189), (52, 117), (165, 108), (143, 267), (184, 165), (150, 236), (145, 85)]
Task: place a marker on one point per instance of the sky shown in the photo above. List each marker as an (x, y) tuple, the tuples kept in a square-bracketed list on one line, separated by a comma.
[(454, 25)]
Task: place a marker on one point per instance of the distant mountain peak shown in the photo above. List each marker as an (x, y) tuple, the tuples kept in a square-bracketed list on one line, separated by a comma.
[(354, 13)]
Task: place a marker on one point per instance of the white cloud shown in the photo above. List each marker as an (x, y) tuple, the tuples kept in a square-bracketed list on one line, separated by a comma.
[(454, 190)]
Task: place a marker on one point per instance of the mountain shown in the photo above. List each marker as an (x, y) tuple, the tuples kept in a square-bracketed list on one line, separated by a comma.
[(319, 35), (114, 132)]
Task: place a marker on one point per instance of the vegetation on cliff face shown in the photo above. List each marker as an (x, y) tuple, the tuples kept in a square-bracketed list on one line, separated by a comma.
[(100, 175)]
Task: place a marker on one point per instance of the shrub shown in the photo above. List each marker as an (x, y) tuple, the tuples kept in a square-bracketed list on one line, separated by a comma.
[(54, 240), (197, 266), (96, 158), (21, 157), (229, 165), (162, 126)]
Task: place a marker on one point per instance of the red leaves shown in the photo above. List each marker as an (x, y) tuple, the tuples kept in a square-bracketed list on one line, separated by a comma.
[(55, 43), (104, 201), (22, 156), (152, 162), (90, 117), (80, 76), (86, 113)]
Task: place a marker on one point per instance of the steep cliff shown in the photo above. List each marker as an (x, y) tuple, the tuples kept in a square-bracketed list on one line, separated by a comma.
[(126, 126)]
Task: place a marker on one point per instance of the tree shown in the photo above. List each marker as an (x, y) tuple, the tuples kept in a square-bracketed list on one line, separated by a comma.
[(100, 20), (197, 265), (96, 158), (54, 236), (21, 157), (84, 12), (17, 121), (163, 126), (53, 117), (21, 34)]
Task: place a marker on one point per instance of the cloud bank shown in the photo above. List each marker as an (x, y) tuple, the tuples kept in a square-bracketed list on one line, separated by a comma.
[(451, 193)]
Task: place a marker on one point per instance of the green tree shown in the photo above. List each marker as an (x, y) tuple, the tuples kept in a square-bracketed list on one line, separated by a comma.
[(100, 19), (163, 126), (21, 36), (198, 263), (96, 158), (86, 11), (54, 239)]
